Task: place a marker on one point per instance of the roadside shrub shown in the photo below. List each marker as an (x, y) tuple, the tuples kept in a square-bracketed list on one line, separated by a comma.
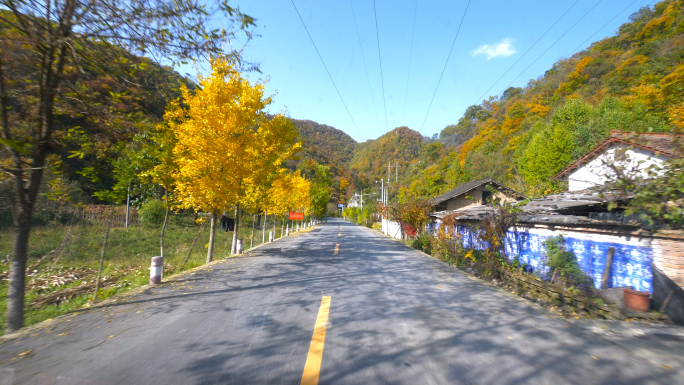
[(441, 247), (409, 230), (152, 213), (422, 243), (377, 226)]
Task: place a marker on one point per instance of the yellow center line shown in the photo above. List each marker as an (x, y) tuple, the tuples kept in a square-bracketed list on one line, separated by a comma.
[(337, 248), (312, 368)]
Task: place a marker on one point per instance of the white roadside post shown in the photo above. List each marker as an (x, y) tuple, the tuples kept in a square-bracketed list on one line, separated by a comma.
[(238, 249), (156, 270), (270, 236)]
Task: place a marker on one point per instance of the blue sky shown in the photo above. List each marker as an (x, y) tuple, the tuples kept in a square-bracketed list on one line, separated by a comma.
[(494, 34)]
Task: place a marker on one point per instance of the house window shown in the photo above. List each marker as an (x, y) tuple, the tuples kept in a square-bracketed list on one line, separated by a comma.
[(486, 196)]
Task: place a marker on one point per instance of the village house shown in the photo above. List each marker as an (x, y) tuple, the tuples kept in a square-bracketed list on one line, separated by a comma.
[(355, 201), (475, 193), (634, 152)]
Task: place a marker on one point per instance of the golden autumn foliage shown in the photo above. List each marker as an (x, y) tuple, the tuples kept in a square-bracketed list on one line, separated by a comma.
[(289, 192), (655, 25), (576, 77), (225, 147), (672, 85), (676, 115), (647, 94), (536, 107)]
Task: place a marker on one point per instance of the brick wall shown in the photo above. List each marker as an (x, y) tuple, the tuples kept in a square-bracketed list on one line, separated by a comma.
[(668, 255)]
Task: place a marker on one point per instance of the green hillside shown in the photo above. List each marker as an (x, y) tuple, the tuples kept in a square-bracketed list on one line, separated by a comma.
[(401, 145), (325, 144), (633, 81)]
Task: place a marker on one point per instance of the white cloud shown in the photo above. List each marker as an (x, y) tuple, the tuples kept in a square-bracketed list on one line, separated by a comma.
[(504, 48)]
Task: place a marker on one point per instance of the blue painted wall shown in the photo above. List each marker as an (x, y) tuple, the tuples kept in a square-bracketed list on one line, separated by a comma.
[(631, 263)]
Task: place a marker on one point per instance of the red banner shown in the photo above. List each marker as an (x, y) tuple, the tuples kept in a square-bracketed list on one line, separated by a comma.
[(295, 216)]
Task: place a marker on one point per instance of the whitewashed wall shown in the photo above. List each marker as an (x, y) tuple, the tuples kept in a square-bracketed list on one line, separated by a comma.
[(393, 229), (594, 173)]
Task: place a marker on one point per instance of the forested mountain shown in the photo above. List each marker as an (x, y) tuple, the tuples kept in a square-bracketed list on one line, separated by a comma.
[(400, 146), (633, 81), (101, 105), (325, 144)]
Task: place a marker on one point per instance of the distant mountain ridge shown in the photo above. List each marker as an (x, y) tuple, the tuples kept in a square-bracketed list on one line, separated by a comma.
[(325, 144), (401, 146), (633, 81)]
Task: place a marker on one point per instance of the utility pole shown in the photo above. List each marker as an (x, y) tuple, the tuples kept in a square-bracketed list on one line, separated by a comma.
[(396, 173), (128, 203)]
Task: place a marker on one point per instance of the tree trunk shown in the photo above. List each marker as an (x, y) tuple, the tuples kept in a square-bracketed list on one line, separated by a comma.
[(15, 293), (187, 257), (27, 181), (166, 218), (251, 239), (263, 230), (212, 232), (233, 246), (102, 255), (275, 222)]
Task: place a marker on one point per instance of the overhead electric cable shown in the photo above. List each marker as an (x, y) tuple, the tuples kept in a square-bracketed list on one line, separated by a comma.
[(445, 66), (408, 72), (604, 26), (526, 52), (326, 69), (365, 67), (554, 43), (382, 81)]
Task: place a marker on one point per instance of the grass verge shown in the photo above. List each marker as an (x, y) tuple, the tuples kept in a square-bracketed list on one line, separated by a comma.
[(66, 280)]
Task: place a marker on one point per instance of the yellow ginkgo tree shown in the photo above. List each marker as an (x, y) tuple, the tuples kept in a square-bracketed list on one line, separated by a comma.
[(290, 191), (275, 144), (225, 145)]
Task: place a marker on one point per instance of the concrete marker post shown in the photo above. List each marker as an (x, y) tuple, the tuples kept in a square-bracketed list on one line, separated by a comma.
[(270, 236), (156, 270), (238, 249)]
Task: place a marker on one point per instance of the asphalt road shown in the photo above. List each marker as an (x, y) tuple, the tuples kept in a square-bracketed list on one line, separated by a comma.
[(395, 317)]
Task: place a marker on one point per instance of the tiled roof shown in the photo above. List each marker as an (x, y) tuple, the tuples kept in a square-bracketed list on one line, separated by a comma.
[(546, 210), (659, 143), (468, 186)]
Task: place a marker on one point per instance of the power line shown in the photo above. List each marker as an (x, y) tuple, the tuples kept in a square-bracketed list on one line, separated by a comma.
[(408, 72), (382, 81), (604, 26), (445, 66), (365, 67), (528, 50), (326, 69), (554, 43)]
